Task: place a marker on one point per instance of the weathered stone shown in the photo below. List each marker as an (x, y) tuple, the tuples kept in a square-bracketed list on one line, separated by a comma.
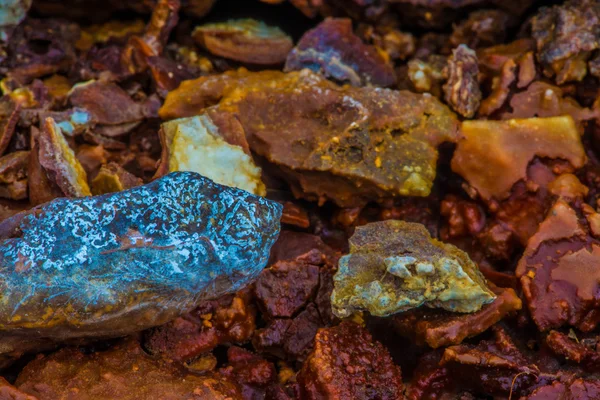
[(493, 155), (345, 144), (394, 266), (119, 263), (245, 40)]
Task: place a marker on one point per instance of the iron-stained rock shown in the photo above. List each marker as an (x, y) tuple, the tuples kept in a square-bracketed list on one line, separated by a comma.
[(350, 145), (394, 266)]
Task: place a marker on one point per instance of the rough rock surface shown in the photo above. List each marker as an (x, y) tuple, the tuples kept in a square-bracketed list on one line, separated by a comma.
[(119, 263), (346, 144), (394, 266)]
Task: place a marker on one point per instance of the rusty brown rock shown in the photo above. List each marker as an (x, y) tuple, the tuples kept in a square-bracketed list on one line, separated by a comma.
[(245, 40), (346, 144), (346, 363), (493, 155), (13, 175), (438, 328), (578, 389), (124, 372), (573, 351), (9, 116), (542, 99), (229, 319), (500, 89), (559, 269)]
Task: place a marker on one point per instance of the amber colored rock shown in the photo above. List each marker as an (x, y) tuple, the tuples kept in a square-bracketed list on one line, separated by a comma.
[(229, 319), (394, 266), (113, 178), (122, 372), (568, 187), (333, 50), (491, 59), (565, 36), (396, 44), (58, 161), (9, 116), (427, 75), (347, 364), (500, 89), (111, 30), (245, 40), (349, 145), (559, 270), (438, 328), (13, 175), (151, 43), (461, 90), (212, 145), (493, 155)]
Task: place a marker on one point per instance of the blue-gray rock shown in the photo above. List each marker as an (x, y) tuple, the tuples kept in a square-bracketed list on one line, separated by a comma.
[(118, 263)]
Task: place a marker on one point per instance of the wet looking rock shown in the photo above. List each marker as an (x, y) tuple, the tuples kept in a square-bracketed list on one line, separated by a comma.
[(394, 266), (115, 264)]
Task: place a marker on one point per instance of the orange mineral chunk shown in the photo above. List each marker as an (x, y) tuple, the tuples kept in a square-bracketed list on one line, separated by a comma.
[(345, 144), (493, 155)]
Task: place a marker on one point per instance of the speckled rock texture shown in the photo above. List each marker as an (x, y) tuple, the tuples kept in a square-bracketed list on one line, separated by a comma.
[(118, 263), (394, 266)]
